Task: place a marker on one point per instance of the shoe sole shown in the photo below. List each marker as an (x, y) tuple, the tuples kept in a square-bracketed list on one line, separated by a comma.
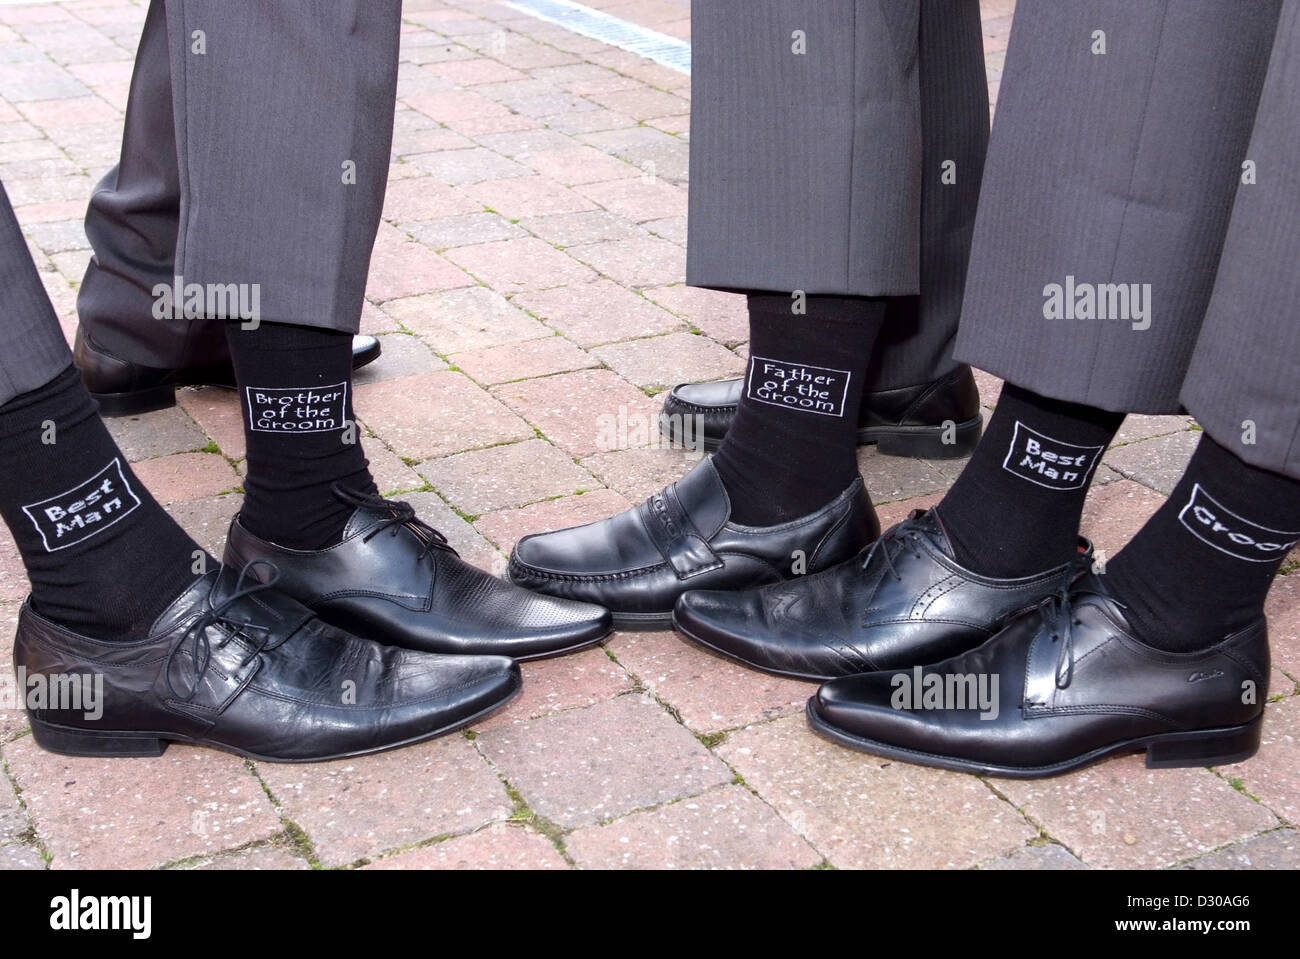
[(551, 654), (642, 622), (106, 744), (732, 657), (912, 442), (1201, 747)]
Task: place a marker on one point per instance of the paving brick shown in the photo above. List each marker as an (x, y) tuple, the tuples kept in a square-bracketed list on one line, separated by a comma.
[(375, 321), (468, 166), (638, 198), (1119, 814), (598, 312), (678, 124), (159, 433), (269, 856), (1050, 856), (403, 355), (578, 164), (68, 111), (1283, 610), (516, 266), (13, 820), (891, 478), (583, 766), (578, 411), (638, 262), (671, 228), (663, 361), (471, 72), (1158, 463), (413, 143), (860, 811), (496, 847), (357, 808), (517, 361), (1273, 774), (505, 527), (15, 857), (722, 316), (726, 828), (1137, 427), (133, 814), (1114, 512), (402, 267), (457, 320), (528, 196), (572, 229), (425, 198), (522, 145), (505, 476), (585, 79), (589, 121), (207, 520), (1279, 849), (217, 413), (186, 476), (436, 414), (565, 682), (390, 473), (463, 230), (468, 113), (11, 720), (59, 237), (638, 473), (709, 692), (654, 152)]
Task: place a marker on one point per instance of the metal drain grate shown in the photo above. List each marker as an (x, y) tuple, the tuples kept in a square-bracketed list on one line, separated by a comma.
[(659, 47)]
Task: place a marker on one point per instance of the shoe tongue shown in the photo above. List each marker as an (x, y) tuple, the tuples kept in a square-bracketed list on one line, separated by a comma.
[(192, 599), (362, 519), (704, 498), (927, 523)]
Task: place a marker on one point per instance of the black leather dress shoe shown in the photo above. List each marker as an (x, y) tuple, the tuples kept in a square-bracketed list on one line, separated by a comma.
[(1073, 685), (240, 666), (903, 601), (638, 562), (394, 579), (935, 420), (123, 388)]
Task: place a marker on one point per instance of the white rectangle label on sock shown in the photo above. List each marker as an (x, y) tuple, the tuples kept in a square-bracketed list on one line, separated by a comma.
[(85, 510), (1215, 524), (297, 409), (1038, 458), (797, 386)]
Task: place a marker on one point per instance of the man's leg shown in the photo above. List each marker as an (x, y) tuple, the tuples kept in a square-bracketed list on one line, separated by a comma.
[(1165, 648), (912, 388), (1091, 202)]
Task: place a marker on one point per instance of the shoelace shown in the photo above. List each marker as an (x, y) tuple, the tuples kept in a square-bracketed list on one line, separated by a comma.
[(903, 531), (201, 648), (401, 515), (1058, 615)]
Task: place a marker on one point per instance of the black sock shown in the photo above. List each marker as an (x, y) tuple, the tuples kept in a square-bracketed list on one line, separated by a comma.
[(104, 559), (295, 389), (1201, 567), (1015, 508), (792, 448)]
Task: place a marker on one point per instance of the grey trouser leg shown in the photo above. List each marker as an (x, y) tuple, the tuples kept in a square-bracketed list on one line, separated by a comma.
[(241, 119), (1112, 168), (32, 348), (1243, 385), (852, 169)]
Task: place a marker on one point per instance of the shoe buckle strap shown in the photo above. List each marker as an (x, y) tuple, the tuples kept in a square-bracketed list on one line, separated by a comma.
[(675, 535)]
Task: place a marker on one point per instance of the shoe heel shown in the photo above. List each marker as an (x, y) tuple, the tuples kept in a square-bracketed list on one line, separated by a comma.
[(137, 401), (928, 442), (1214, 747), (69, 741)]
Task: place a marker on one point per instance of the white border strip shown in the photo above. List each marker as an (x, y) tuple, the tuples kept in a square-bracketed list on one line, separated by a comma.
[(664, 50)]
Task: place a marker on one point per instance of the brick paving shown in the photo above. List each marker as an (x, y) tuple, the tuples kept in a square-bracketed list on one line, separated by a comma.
[(527, 285)]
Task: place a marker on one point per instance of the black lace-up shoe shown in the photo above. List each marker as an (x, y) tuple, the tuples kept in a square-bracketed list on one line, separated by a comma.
[(237, 665), (905, 600), (1063, 685), (394, 579)]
